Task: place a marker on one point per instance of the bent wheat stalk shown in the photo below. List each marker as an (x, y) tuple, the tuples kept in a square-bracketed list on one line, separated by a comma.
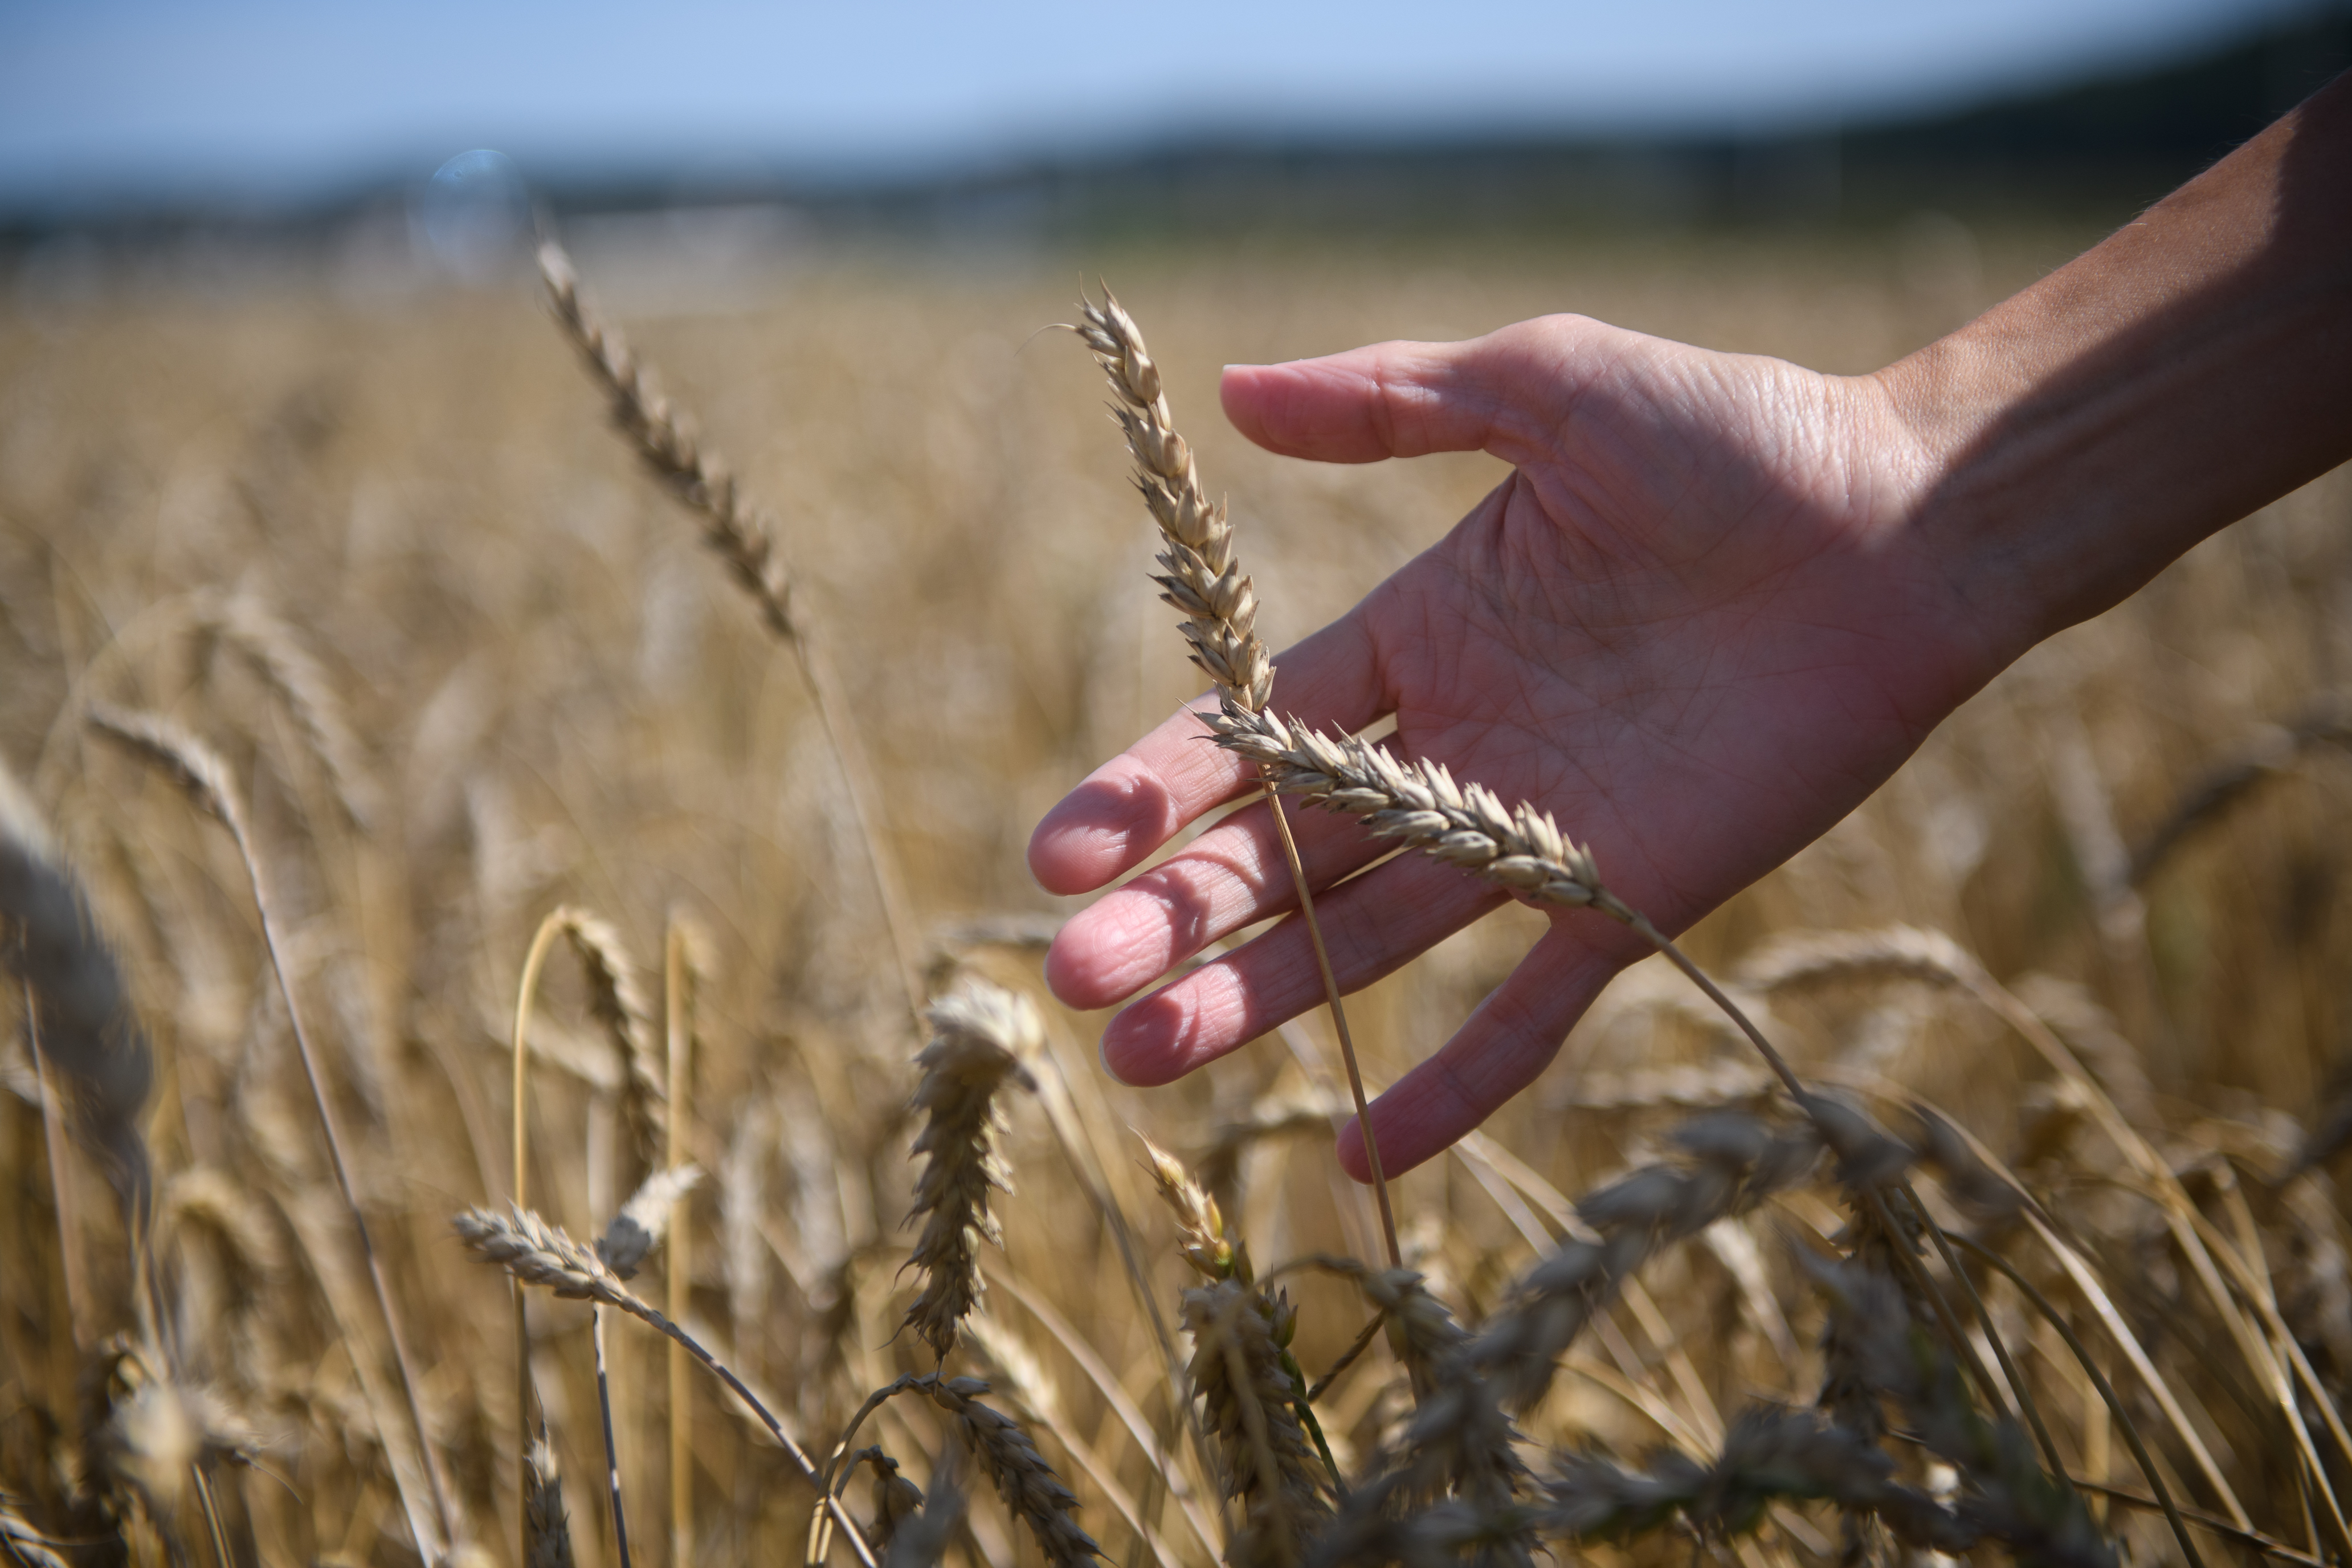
[(1205, 581), (537, 1253), (204, 778), (743, 533)]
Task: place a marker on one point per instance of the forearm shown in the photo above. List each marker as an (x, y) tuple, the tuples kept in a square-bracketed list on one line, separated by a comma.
[(2076, 439)]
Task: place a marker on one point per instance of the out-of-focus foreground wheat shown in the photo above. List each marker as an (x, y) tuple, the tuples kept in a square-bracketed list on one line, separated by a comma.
[(465, 664)]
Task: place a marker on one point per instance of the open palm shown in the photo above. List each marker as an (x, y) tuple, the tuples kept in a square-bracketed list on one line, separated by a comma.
[(1696, 623)]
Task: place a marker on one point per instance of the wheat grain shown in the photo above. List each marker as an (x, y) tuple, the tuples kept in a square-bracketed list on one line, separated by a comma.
[(980, 1035), (213, 1199), (2327, 722)]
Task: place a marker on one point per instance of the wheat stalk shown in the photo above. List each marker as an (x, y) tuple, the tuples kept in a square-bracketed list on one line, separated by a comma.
[(537, 1253), (683, 945), (980, 1035), (204, 778), (1204, 579), (743, 533)]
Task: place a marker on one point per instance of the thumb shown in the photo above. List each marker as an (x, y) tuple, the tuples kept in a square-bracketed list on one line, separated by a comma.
[(1406, 399)]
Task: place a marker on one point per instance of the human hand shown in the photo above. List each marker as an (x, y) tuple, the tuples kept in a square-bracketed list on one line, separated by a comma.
[(1696, 624)]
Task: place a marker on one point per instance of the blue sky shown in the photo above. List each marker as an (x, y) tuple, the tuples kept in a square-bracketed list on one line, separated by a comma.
[(256, 100)]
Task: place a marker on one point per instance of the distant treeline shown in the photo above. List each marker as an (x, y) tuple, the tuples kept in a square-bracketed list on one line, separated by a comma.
[(2104, 146), (2096, 149)]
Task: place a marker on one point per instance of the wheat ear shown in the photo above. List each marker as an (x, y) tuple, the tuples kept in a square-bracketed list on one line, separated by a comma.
[(981, 1034), (1204, 581), (204, 778), (293, 673), (1419, 804), (616, 999), (1252, 1393), (1024, 1479), (88, 1048), (537, 1253), (549, 1528), (743, 533), (24, 1545)]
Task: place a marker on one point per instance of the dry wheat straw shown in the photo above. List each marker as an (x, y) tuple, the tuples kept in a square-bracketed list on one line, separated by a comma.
[(1203, 580), (743, 533), (685, 961), (204, 778), (612, 1452), (980, 1035), (537, 1253)]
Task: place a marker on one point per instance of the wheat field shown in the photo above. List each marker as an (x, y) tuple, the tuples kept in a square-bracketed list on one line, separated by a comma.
[(464, 663)]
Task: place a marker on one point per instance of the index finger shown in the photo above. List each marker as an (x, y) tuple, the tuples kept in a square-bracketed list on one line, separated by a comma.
[(1136, 802)]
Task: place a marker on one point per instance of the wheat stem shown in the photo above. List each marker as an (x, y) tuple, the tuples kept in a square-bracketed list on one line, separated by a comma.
[(1205, 582), (2057, 1320), (678, 1036), (204, 778), (611, 1453), (743, 533), (537, 1253), (542, 940)]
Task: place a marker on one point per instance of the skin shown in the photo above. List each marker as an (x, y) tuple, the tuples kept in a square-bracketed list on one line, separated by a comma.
[(1719, 600)]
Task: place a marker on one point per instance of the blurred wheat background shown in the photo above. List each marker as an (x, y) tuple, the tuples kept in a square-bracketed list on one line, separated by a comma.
[(533, 688)]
